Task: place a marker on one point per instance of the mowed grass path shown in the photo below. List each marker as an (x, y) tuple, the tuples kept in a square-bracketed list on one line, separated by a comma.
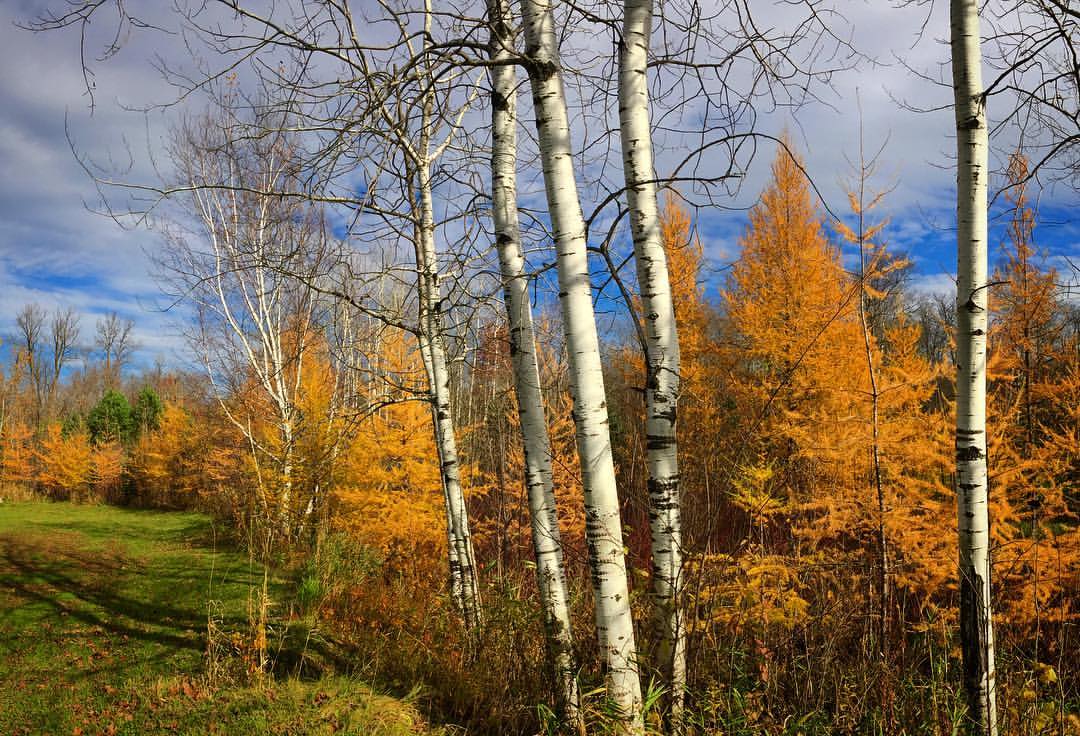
[(103, 630)]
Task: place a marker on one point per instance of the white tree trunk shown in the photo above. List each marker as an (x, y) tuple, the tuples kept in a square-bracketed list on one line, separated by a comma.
[(546, 538), (661, 349), (976, 629), (464, 583), (614, 624), (285, 511), (457, 588), (248, 297)]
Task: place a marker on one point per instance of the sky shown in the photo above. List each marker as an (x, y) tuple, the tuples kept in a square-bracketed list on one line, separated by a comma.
[(53, 249), (56, 251)]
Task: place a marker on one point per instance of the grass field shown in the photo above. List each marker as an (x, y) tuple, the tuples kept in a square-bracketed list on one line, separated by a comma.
[(104, 627)]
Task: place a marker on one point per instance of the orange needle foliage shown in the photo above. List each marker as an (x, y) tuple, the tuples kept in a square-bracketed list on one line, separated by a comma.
[(496, 462), (107, 470), (66, 463), (162, 462), (1032, 430), (18, 458), (390, 493), (775, 429)]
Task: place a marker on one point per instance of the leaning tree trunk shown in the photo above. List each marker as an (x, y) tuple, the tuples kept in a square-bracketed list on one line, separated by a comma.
[(614, 625), (456, 587), (464, 582), (976, 629), (661, 349), (464, 585), (547, 542)]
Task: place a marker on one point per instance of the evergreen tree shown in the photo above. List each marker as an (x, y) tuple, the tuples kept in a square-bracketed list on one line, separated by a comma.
[(111, 419), (146, 414)]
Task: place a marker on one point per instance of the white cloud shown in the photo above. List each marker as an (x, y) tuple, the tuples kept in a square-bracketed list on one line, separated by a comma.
[(933, 284), (46, 232)]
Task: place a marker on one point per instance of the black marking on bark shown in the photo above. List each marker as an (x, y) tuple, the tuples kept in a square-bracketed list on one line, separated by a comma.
[(543, 70), (974, 642), (658, 441), (663, 495), (652, 381), (968, 454), (972, 123)]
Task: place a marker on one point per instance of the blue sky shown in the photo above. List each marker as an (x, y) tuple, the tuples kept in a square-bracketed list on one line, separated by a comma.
[(56, 252)]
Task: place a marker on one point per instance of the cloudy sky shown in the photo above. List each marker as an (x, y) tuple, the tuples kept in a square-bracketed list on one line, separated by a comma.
[(53, 249), (56, 251)]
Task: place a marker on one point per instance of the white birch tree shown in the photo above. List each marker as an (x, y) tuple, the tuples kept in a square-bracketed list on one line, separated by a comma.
[(546, 538), (972, 304), (421, 152), (614, 625), (661, 349), (255, 319), (463, 574)]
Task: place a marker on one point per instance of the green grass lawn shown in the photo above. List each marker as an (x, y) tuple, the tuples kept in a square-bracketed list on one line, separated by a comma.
[(103, 630)]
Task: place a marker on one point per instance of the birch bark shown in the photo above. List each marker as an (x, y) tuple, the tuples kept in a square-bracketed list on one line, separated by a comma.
[(976, 629), (464, 583), (421, 154), (661, 349), (236, 281), (614, 625), (547, 542)]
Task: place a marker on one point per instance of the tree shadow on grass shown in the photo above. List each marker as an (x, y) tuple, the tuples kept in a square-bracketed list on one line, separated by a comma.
[(140, 525), (161, 601), (86, 586)]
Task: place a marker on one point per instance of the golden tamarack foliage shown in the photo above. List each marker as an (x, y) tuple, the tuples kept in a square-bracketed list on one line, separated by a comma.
[(783, 524), (389, 489)]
